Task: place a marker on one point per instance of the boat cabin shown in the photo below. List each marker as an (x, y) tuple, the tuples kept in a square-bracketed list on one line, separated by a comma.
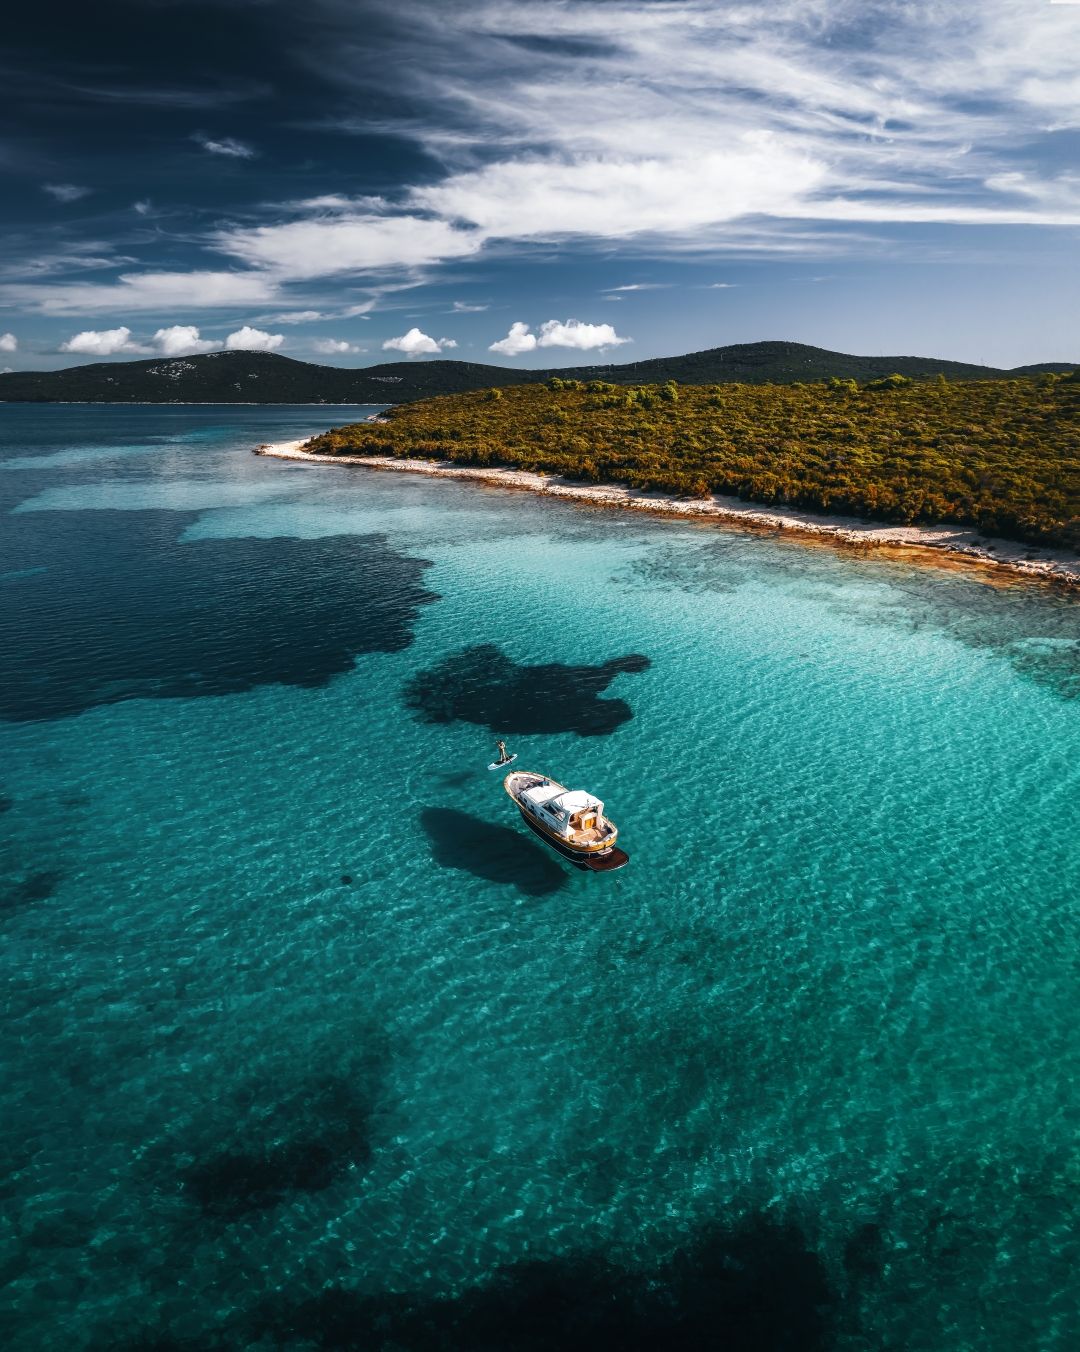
[(572, 813)]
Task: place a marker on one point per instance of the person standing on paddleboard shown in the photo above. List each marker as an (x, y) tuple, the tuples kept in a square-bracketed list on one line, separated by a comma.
[(503, 757)]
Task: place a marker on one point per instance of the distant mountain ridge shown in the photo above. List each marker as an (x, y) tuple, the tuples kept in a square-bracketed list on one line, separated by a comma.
[(268, 378)]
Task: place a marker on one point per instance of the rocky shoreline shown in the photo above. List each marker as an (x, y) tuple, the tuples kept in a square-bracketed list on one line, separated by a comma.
[(1001, 561)]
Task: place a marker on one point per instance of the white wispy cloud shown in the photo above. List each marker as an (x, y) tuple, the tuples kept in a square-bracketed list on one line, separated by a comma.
[(327, 246), (65, 192), (616, 198), (806, 109), (687, 126), (636, 286), (416, 343), (225, 145), (295, 317), (156, 95), (145, 292), (461, 307), (247, 339), (8, 342), (26, 260)]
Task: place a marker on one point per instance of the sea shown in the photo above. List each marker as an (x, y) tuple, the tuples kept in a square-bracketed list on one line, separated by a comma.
[(306, 1042)]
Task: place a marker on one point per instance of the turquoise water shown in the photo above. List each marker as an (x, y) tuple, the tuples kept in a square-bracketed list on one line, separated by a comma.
[(298, 1051)]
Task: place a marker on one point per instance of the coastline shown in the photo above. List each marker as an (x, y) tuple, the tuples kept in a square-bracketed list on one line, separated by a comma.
[(1001, 561)]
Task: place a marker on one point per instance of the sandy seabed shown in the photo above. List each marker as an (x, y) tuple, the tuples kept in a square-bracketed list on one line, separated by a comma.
[(1000, 560)]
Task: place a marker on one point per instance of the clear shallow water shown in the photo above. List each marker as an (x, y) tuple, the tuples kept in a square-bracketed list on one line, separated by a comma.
[(803, 1072)]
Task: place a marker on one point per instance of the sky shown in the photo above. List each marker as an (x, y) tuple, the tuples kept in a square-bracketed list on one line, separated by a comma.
[(528, 182)]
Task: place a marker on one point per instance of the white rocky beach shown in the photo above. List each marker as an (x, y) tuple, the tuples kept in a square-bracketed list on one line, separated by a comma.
[(1001, 561)]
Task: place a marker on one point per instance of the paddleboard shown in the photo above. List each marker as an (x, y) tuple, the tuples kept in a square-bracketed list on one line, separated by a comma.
[(501, 765)]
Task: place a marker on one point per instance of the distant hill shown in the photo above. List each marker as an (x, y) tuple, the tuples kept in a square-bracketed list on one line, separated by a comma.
[(249, 378), (266, 378)]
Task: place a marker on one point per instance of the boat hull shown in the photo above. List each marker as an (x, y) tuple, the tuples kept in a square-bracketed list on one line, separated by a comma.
[(605, 861)]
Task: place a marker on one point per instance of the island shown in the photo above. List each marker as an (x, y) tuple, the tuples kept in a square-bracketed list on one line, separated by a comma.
[(989, 469)]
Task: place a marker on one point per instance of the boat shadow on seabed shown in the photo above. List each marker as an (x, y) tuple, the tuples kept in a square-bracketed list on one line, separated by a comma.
[(498, 854)]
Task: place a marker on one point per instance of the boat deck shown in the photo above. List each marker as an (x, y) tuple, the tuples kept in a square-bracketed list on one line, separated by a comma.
[(520, 783)]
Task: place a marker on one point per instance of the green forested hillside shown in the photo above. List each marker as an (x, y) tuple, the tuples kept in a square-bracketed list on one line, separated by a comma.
[(1002, 455)]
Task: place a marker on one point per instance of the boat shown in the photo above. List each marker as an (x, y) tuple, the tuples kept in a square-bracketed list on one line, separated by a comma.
[(571, 821)]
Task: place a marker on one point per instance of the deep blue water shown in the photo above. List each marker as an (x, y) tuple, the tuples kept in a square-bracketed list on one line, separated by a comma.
[(305, 1042)]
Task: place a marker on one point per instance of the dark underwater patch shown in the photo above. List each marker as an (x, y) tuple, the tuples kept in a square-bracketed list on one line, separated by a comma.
[(237, 1181), (28, 891), (864, 1252), (482, 685), (154, 1340), (496, 853), (126, 610), (756, 1289), (302, 1143), (6, 803)]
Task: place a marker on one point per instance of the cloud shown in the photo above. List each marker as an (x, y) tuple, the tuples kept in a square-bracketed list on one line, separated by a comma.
[(296, 317), (8, 342), (181, 340), (227, 146), (177, 340), (636, 286), (102, 342), (26, 261), (517, 341), (326, 246), (461, 307), (720, 286), (584, 337), (631, 118), (65, 192), (145, 292), (415, 343), (143, 207), (334, 346), (247, 339), (556, 333), (236, 90), (657, 124), (614, 198)]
